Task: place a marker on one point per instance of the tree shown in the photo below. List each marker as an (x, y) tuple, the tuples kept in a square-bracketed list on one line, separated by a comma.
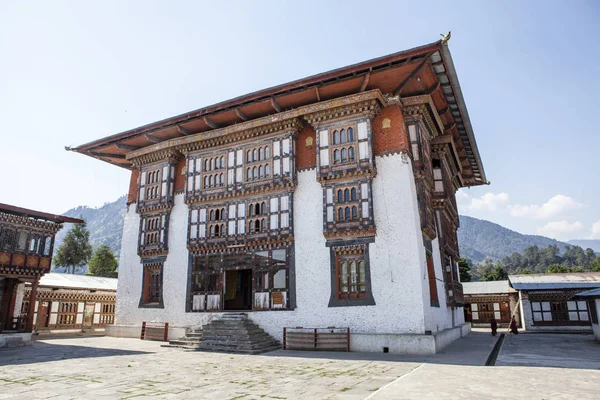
[(496, 274), (464, 269), (75, 250), (595, 265), (557, 269), (103, 263)]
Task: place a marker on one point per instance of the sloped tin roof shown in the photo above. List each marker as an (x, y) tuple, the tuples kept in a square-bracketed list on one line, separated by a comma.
[(70, 281), (492, 287), (555, 281)]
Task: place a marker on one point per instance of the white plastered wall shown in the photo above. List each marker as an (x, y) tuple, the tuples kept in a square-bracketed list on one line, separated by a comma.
[(397, 265), (394, 260)]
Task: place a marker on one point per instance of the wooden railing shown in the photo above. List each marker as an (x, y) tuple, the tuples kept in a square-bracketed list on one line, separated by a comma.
[(18, 324), (158, 332), (324, 339)]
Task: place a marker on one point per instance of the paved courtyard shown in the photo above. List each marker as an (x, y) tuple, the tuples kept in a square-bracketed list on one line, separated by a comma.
[(103, 367)]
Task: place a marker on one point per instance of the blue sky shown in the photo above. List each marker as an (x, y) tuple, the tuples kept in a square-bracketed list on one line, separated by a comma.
[(72, 72)]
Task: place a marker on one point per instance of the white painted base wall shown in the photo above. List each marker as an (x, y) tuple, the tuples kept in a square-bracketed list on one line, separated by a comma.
[(397, 263), (596, 327)]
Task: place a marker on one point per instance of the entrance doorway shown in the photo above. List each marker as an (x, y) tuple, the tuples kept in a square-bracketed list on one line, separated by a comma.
[(43, 314), (88, 315), (238, 290)]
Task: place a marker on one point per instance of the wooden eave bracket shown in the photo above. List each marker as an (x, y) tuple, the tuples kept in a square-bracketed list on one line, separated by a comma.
[(183, 131), (152, 139), (275, 105), (210, 123)]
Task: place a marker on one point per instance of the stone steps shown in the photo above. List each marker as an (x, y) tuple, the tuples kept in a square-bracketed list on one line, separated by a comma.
[(189, 341), (229, 333)]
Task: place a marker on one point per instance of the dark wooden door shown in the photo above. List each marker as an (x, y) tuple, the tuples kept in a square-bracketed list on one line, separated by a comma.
[(504, 313), (43, 314)]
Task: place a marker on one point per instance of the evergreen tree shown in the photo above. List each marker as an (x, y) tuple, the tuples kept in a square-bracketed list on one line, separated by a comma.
[(103, 263), (464, 269), (557, 269), (75, 250), (595, 265), (496, 274)]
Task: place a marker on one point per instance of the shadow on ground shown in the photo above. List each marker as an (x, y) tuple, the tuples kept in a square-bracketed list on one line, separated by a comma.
[(473, 349), (47, 352)]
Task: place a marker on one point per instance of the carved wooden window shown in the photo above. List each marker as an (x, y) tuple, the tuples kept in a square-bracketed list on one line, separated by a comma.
[(257, 216), (433, 294), (152, 284), (153, 232), (7, 238), (258, 162), (282, 151), (343, 145), (438, 178), (156, 184), (415, 142), (351, 276), (216, 224), (67, 313), (347, 202), (279, 209)]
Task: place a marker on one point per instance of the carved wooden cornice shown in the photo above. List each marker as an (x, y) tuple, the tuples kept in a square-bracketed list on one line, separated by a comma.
[(153, 253), (293, 126), (249, 245), (163, 155), (25, 272), (243, 194), (162, 208), (368, 173), (20, 221), (350, 233), (349, 250), (262, 124), (44, 294), (419, 103), (367, 108)]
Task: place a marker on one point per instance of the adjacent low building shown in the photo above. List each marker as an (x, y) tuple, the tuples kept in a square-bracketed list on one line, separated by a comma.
[(549, 302), (26, 245), (487, 300), (68, 302), (592, 297)]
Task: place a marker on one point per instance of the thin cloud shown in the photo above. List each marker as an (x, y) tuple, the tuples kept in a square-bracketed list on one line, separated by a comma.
[(557, 205), (560, 230)]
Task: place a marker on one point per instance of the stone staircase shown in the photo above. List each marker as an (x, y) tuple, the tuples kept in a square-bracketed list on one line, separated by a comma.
[(235, 333), (190, 341)]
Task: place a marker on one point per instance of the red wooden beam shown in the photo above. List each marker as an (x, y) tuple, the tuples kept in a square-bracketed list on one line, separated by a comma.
[(365, 82), (412, 74), (275, 105)]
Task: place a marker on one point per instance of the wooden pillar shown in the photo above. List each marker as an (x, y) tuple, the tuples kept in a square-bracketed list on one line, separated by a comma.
[(32, 301)]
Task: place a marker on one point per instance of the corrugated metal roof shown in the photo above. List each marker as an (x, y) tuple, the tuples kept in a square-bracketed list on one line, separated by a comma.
[(590, 293), (555, 281), (486, 287), (71, 281)]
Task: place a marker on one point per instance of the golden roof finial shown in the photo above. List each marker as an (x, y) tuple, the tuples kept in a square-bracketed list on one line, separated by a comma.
[(445, 37)]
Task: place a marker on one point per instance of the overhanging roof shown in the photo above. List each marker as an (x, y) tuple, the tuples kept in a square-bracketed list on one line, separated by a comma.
[(71, 281), (427, 69), (592, 294), (24, 212), (491, 287), (555, 281)]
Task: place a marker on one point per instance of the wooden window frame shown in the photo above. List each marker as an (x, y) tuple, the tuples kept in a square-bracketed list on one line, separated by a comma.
[(152, 283), (356, 251), (154, 233)]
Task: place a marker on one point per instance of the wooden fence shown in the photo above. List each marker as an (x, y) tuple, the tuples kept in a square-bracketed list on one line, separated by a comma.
[(158, 332), (325, 339)]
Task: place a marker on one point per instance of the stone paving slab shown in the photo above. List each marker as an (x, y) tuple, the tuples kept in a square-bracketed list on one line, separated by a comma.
[(551, 350), (111, 368), (130, 368)]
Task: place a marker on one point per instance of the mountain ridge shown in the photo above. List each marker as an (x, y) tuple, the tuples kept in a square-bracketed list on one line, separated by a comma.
[(478, 239)]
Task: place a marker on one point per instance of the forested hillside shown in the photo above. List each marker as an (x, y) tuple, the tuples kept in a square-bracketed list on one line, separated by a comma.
[(479, 239), (105, 224)]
